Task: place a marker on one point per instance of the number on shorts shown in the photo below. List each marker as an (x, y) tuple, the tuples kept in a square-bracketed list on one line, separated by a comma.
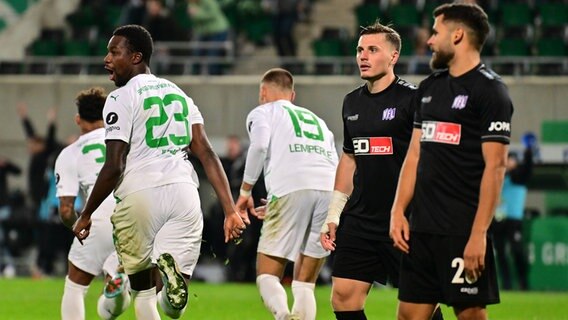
[(96, 147), (307, 118), (162, 118), (458, 276)]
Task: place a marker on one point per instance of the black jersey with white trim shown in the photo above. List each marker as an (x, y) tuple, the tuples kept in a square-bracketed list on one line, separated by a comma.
[(376, 129), (456, 115)]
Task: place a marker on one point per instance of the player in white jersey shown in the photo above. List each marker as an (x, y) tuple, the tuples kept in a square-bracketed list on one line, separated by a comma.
[(297, 152), (149, 122), (76, 170)]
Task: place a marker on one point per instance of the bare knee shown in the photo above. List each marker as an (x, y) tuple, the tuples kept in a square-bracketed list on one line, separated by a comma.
[(346, 299), (471, 313)]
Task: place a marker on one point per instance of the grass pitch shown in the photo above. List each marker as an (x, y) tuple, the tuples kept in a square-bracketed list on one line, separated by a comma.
[(23, 298)]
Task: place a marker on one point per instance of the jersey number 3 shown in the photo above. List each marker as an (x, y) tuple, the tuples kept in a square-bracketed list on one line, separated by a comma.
[(162, 118)]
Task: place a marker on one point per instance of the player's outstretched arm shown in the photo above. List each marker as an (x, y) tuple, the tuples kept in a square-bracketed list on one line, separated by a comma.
[(342, 189), (200, 146), (495, 157), (399, 229), (106, 182)]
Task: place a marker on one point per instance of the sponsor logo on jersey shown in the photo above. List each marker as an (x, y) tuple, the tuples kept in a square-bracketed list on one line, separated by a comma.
[(112, 128), (389, 113), (353, 117), (57, 178), (111, 118), (426, 99), (460, 102), (114, 97), (441, 132), (471, 291), (500, 126), (373, 146)]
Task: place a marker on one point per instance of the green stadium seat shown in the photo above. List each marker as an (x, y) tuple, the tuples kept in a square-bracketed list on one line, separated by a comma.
[(76, 48), (551, 47), (516, 15), (553, 14), (404, 15), (3, 24), (513, 47), (367, 14), (45, 48), (328, 47)]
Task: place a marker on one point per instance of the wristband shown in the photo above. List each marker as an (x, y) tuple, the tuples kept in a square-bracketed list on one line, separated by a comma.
[(336, 205), (245, 193)]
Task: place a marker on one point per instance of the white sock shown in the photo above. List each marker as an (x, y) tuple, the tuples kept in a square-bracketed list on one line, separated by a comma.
[(304, 300), (167, 308), (111, 308), (72, 303), (145, 304), (273, 295)]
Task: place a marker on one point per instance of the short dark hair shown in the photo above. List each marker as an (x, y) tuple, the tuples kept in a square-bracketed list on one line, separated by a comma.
[(470, 15), (139, 40), (390, 34), (90, 103), (280, 77)]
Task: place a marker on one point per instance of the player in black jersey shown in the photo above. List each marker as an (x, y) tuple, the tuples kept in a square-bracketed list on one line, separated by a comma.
[(377, 122), (453, 174)]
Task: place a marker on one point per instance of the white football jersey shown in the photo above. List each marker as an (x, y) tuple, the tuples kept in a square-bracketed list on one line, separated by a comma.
[(154, 116), (77, 168), (301, 149)]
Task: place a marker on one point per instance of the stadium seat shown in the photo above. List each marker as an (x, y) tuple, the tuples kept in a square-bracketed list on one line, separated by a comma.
[(45, 48), (553, 14), (367, 14), (551, 47), (404, 15), (2, 24), (76, 48), (328, 47), (19, 5), (516, 15), (554, 131), (513, 47)]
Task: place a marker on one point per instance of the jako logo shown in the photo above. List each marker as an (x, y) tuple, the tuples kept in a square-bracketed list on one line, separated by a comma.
[(111, 118), (500, 126)]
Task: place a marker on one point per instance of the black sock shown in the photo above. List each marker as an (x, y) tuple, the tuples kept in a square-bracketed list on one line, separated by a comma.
[(350, 315), (438, 314)]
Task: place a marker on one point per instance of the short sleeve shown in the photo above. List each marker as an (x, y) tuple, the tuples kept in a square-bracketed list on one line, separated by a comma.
[(347, 139), (118, 116), (415, 104), (195, 116), (496, 111), (66, 175)]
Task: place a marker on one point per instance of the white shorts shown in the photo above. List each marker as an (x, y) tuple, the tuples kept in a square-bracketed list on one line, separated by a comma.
[(96, 249), (153, 221), (292, 225)]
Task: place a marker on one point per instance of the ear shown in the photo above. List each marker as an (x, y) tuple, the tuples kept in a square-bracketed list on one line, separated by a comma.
[(458, 35), (137, 58), (394, 57), (292, 96), (77, 119)]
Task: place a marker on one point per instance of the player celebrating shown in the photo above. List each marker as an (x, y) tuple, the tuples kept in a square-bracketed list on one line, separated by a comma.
[(148, 122), (453, 174), (297, 152), (76, 170)]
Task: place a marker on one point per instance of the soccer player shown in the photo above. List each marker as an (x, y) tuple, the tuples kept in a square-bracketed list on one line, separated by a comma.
[(148, 122), (297, 152), (76, 170), (377, 125), (453, 174)]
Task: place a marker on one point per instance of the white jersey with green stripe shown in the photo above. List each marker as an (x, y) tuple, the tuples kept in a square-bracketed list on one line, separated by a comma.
[(154, 117), (77, 168), (293, 146)]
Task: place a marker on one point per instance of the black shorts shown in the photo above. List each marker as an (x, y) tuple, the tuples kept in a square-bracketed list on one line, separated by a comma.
[(433, 272), (366, 260)]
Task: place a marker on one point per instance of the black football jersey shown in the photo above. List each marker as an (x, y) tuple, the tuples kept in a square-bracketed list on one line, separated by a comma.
[(376, 130), (456, 115)]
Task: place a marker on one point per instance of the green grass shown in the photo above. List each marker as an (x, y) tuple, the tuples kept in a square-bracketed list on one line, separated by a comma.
[(24, 298)]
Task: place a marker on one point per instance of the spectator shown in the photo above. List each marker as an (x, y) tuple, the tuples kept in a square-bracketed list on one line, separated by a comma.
[(211, 26), (284, 16), (6, 168), (508, 223)]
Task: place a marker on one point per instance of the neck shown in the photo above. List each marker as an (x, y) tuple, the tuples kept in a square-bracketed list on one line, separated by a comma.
[(87, 127), (380, 84), (464, 62)]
